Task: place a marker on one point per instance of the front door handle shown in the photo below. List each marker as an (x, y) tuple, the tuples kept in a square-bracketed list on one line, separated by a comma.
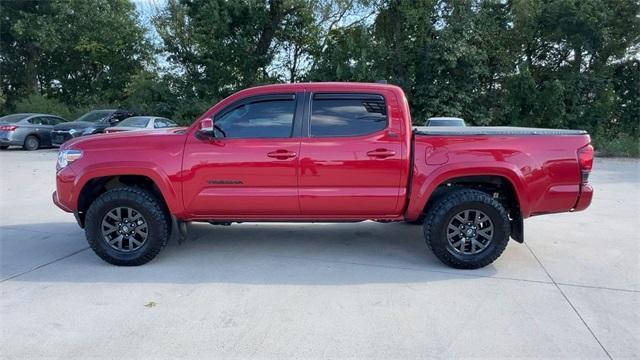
[(282, 154), (381, 153)]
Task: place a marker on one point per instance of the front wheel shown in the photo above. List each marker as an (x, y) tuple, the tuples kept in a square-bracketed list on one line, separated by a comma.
[(4, 147), (127, 226), (467, 229)]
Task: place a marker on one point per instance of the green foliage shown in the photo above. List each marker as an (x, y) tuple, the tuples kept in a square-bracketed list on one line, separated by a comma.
[(41, 104), (79, 52), (619, 145)]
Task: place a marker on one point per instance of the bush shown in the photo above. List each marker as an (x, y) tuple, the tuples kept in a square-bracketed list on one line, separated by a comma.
[(36, 103), (621, 145)]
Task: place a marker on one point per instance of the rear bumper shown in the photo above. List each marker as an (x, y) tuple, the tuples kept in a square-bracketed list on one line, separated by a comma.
[(9, 139), (584, 200)]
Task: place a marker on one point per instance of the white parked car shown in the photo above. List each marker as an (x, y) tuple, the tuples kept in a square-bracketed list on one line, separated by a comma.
[(445, 121), (141, 123)]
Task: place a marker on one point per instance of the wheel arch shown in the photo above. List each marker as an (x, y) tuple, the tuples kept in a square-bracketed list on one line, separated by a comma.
[(93, 187), (506, 180), (35, 135)]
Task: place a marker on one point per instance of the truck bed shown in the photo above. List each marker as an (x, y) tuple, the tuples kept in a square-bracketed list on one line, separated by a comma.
[(491, 130)]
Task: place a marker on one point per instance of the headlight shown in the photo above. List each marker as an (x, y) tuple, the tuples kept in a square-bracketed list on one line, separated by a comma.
[(73, 131), (88, 131), (66, 157)]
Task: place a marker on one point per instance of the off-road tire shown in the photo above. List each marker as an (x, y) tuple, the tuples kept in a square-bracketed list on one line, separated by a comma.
[(445, 208), (31, 143), (142, 201)]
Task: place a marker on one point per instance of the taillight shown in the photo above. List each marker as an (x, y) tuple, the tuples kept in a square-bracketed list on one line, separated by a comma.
[(585, 160), (8, 128)]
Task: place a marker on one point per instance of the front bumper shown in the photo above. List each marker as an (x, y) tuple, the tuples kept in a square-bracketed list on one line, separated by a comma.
[(59, 204), (59, 137)]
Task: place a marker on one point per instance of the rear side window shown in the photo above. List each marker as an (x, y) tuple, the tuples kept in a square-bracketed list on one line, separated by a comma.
[(347, 115), (269, 118)]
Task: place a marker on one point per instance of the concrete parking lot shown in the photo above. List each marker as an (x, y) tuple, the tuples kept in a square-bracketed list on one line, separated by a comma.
[(303, 291)]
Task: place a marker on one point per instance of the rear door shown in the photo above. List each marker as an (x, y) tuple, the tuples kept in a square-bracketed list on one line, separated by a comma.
[(250, 168), (351, 159)]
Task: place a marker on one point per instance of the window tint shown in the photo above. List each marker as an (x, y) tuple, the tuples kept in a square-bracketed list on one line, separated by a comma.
[(54, 120), (38, 120), (260, 119), (344, 115), (10, 119), (95, 116)]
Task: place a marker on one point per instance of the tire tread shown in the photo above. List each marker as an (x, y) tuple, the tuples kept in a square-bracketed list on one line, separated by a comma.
[(435, 218), (146, 200)]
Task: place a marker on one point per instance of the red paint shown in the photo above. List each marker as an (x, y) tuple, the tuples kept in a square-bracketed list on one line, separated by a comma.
[(374, 176)]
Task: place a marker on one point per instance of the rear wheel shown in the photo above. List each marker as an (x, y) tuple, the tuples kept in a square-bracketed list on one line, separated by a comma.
[(467, 229), (127, 226), (31, 143)]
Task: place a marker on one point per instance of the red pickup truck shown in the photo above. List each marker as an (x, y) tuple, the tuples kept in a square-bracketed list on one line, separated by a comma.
[(332, 152)]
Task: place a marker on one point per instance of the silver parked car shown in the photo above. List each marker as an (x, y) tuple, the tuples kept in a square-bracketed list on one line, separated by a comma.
[(141, 123), (445, 121), (28, 130)]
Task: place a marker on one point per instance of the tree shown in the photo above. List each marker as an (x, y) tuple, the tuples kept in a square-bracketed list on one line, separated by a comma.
[(78, 51)]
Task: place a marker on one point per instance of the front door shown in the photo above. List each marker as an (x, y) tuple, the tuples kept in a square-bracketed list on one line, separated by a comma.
[(351, 160), (250, 168)]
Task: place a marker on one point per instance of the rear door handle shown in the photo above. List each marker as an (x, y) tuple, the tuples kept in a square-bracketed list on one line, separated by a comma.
[(282, 154), (381, 153)]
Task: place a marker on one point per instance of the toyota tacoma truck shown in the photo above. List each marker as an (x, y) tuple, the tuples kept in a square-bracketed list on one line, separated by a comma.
[(321, 152)]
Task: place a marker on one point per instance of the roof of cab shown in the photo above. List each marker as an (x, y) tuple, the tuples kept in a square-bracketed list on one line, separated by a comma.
[(318, 85)]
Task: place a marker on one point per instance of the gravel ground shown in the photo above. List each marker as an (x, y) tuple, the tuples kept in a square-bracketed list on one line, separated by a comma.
[(303, 291)]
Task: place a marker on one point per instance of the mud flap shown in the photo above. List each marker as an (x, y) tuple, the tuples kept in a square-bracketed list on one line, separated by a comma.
[(179, 230), (517, 228)]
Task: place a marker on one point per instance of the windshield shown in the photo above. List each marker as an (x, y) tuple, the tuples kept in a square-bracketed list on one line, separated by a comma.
[(136, 121), (95, 116), (10, 119)]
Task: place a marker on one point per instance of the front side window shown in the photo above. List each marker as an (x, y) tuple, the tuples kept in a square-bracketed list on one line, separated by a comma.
[(54, 120), (38, 120), (347, 115), (259, 119)]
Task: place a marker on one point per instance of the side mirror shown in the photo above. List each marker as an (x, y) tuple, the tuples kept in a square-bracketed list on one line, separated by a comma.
[(206, 128), (206, 125)]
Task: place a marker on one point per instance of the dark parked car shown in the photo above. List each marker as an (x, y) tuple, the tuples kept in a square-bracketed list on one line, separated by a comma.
[(445, 121), (29, 130), (141, 123), (93, 122)]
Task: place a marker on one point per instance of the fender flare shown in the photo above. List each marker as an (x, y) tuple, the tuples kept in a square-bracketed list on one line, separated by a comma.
[(441, 174), (171, 196)]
